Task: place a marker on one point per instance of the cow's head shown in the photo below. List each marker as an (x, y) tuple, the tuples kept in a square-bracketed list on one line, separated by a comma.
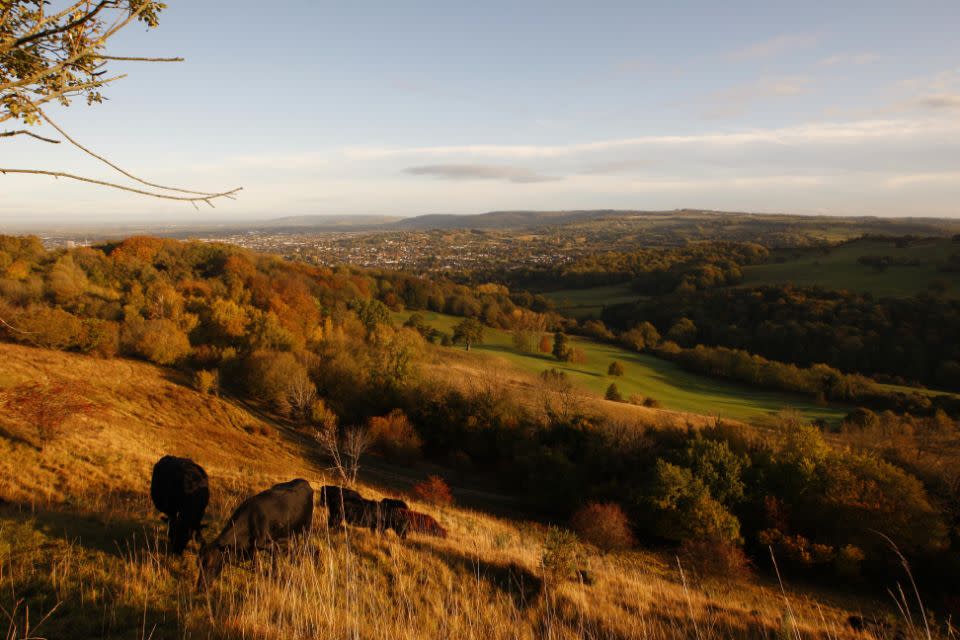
[(210, 565), (178, 534)]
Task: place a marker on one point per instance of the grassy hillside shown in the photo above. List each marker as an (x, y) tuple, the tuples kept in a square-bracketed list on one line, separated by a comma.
[(648, 376), (81, 546), (582, 303), (838, 268)]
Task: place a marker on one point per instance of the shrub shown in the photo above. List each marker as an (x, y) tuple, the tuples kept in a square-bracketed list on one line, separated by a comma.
[(322, 416), (652, 403), (615, 369), (434, 490), (562, 554), (578, 356), (603, 525), (206, 381), (683, 332), (685, 508), (269, 374), (642, 337), (546, 344), (714, 556), (46, 406), (395, 437), (613, 393), (160, 341), (848, 561)]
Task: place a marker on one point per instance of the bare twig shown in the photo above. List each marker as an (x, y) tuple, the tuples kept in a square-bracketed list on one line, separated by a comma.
[(60, 174), (24, 132), (139, 59), (121, 170), (13, 328)]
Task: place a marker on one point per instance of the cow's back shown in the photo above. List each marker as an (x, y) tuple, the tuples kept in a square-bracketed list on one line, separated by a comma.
[(277, 513)]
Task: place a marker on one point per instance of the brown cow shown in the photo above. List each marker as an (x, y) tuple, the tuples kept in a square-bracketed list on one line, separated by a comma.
[(405, 521)]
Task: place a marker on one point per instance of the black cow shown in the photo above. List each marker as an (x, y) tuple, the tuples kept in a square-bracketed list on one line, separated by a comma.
[(334, 498), (364, 513), (180, 491), (393, 503), (282, 511)]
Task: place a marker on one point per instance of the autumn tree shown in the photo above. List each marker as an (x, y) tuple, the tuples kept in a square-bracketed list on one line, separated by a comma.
[(613, 393), (468, 332), (561, 347), (546, 344)]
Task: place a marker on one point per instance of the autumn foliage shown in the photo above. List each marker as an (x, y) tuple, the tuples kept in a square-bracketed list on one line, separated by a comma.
[(603, 525), (46, 407), (434, 490)]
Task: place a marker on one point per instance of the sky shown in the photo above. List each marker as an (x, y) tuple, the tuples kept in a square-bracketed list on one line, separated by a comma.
[(390, 108)]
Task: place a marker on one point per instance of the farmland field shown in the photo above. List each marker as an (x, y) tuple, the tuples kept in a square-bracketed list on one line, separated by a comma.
[(581, 303), (648, 376), (838, 268)]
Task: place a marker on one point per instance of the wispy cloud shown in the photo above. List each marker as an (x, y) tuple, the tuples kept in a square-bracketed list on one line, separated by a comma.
[(736, 99), (851, 59), (814, 133), (774, 46), (929, 178), (939, 102), (518, 175)]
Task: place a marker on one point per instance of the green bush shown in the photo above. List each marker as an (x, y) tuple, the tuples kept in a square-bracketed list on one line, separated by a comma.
[(562, 555)]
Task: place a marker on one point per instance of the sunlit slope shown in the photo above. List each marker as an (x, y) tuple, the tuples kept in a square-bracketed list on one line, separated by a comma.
[(648, 376), (839, 268), (81, 545)]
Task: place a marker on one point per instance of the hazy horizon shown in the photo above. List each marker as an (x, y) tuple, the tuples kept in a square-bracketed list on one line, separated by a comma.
[(400, 111)]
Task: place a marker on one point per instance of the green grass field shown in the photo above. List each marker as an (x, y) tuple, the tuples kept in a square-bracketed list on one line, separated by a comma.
[(837, 268), (582, 303), (647, 376)]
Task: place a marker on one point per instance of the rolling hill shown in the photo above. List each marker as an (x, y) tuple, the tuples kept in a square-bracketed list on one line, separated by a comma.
[(648, 377), (82, 551)]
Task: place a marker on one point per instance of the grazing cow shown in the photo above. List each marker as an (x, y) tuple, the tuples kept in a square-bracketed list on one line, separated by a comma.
[(364, 513), (393, 503), (334, 498), (274, 515), (180, 491), (405, 521)]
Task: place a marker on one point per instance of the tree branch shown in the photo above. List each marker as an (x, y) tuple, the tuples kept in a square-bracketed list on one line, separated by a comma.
[(89, 50), (19, 42), (140, 59), (59, 174), (65, 92), (24, 132), (113, 166)]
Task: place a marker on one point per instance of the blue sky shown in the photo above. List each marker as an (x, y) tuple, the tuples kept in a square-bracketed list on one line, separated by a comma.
[(416, 107)]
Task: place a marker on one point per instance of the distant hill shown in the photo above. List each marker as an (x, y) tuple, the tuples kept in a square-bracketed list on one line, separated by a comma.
[(331, 221), (499, 219)]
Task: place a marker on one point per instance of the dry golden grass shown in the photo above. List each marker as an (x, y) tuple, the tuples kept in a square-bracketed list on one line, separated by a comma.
[(81, 546)]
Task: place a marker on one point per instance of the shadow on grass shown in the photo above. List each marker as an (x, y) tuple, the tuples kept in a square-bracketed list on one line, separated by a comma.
[(522, 585), (113, 536)]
